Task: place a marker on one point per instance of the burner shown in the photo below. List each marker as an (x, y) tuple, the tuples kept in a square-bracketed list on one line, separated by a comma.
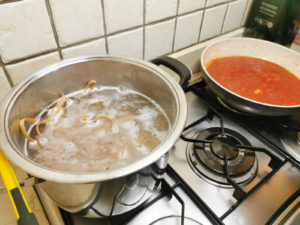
[(223, 147), (208, 159)]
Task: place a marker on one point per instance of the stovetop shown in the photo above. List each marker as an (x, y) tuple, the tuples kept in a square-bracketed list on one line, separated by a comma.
[(270, 188), (188, 191)]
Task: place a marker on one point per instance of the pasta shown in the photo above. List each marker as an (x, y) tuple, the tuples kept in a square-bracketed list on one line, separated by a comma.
[(23, 129), (42, 122), (71, 139), (129, 139)]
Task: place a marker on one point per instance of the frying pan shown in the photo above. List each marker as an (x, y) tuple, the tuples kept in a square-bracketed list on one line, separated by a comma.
[(251, 47)]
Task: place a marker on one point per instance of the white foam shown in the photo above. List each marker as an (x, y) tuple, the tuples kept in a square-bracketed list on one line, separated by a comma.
[(72, 144)]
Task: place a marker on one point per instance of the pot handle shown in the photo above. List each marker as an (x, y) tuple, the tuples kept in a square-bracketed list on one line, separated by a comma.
[(182, 70)]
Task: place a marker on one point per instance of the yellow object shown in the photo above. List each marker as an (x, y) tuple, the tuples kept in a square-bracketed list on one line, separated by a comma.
[(59, 105), (106, 118), (85, 117), (257, 91), (10, 181), (91, 84), (23, 129)]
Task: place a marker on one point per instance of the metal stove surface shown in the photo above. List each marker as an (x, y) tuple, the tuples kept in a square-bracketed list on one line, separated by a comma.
[(164, 211), (258, 206)]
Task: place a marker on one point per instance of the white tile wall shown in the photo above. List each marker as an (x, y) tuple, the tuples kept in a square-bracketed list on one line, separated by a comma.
[(35, 33), (247, 11), (123, 14), (4, 85), (187, 30), (159, 39), (25, 29), (234, 15), (190, 5), (127, 44), (213, 21), (214, 2), (91, 48), (160, 9), (19, 70), (77, 20)]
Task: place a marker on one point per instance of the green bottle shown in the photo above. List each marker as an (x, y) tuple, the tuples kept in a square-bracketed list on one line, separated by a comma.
[(274, 20)]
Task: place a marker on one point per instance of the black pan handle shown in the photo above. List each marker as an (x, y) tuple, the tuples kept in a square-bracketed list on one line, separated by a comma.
[(182, 70)]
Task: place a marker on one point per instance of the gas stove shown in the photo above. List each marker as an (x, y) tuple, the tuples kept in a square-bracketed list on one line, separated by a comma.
[(236, 164), (226, 168)]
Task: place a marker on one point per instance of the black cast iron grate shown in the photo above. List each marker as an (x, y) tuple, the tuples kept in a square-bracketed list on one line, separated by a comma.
[(239, 194)]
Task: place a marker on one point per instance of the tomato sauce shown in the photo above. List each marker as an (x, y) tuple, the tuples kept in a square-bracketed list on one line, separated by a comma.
[(256, 79)]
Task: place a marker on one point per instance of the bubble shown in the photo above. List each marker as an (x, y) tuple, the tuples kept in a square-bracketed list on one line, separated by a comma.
[(73, 144)]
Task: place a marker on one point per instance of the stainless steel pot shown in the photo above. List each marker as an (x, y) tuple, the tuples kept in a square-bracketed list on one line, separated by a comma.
[(251, 47), (102, 193)]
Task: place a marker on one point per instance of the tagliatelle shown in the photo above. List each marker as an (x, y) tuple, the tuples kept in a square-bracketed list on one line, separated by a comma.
[(22, 126), (85, 117), (52, 111), (97, 131), (106, 118), (128, 139), (90, 84), (59, 106), (42, 122)]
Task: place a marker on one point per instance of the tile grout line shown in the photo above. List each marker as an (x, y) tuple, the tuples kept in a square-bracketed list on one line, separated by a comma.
[(30, 57), (144, 28), (50, 14), (8, 78), (161, 21), (59, 49), (82, 42), (191, 12), (183, 14), (224, 18), (88, 41), (8, 1), (215, 5), (175, 27), (211, 38), (124, 30), (200, 28), (53, 50), (245, 11), (104, 27)]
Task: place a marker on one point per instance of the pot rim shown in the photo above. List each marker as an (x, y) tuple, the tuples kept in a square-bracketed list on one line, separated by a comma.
[(14, 155), (271, 44)]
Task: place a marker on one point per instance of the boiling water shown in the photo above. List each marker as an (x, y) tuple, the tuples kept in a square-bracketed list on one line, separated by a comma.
[(75, 140)]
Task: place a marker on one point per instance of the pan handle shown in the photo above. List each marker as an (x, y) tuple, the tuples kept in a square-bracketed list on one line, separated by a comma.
[(182, 70), (21, 207)]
